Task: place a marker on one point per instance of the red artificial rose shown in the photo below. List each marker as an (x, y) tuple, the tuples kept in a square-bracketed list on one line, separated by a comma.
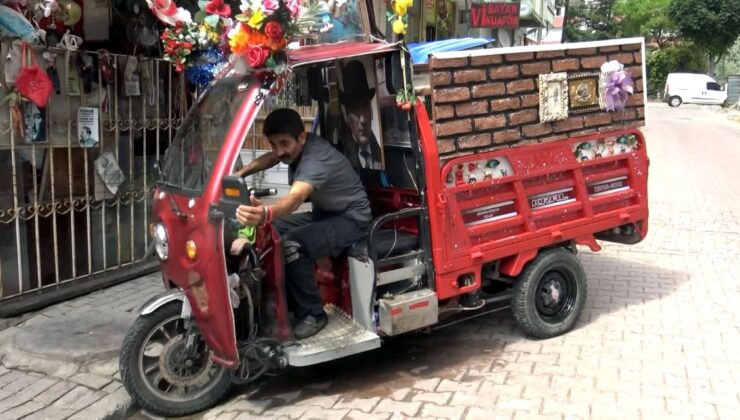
[(273, 30), (257, 56), (217, 7)]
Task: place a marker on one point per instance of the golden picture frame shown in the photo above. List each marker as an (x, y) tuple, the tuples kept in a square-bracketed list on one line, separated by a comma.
[(583, 92), (553, 96)]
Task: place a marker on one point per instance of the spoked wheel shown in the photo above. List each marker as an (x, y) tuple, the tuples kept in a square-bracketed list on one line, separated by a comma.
[(550, 294), (160, 375)]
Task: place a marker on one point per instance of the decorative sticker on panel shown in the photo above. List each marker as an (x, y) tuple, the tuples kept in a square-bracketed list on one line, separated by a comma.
[(490, 213), (607, 186), (610, 146), (552, 198), (479, 170)]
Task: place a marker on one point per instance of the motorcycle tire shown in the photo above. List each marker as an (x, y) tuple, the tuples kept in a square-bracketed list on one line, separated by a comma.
[(151, 393), (550, 294)]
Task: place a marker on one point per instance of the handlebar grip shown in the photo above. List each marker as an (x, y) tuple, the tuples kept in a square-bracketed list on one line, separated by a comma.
[(262, 192)]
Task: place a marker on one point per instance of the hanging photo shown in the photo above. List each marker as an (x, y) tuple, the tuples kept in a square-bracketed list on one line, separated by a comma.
[(583, 92), (108, 170), (88, 126), (34, 123), (363, 143), (553, 97)]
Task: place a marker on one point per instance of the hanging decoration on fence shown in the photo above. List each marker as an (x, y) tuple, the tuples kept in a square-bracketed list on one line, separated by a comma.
[(15, 26), (200, 45)]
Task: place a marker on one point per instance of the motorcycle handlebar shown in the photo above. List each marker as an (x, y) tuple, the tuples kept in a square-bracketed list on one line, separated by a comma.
[(262, 192)]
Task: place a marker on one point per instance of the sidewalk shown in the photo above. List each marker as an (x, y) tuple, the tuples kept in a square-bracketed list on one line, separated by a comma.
[(62, 361)]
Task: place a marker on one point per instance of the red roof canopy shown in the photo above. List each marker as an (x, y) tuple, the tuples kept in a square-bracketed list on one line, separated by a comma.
[(327, 52)]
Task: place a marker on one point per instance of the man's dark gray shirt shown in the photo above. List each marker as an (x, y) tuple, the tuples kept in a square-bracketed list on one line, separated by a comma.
[(337, 187)]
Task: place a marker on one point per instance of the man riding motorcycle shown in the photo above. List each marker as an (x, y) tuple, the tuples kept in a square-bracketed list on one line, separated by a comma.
[(340, 215)]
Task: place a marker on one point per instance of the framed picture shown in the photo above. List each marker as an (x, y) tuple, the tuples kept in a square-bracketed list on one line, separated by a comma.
[(553, 96), (34, 123), (583, 92), (88, 126), (362, 142)]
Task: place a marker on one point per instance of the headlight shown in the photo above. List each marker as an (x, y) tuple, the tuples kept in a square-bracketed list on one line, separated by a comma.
[(160, 241)]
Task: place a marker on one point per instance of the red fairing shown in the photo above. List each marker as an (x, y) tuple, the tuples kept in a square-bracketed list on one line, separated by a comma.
[(204, 279)]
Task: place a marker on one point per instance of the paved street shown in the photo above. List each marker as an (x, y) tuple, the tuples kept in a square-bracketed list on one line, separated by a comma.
[(659, 337)]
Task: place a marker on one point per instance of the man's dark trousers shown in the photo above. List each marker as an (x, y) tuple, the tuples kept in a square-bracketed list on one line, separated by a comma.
[(307, 237)]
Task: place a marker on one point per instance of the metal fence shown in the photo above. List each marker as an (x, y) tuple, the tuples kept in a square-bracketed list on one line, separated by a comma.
[(63, 214)]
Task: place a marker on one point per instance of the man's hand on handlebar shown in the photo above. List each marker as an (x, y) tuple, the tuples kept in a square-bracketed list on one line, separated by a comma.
[(252, 215)]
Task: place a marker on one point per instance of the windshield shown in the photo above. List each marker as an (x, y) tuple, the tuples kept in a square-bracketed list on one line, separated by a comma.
[(189, 160)]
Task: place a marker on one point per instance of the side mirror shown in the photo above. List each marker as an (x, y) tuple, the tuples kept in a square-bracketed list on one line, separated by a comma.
[(393, 73)]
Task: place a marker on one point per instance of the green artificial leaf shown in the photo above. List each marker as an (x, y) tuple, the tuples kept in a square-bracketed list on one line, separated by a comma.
[(270, 63), (212, 20), (202, 4), (242, 18), (199, 16), (389, 16)]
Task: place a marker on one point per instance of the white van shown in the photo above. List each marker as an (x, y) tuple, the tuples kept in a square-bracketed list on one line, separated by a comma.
[(693, 88)]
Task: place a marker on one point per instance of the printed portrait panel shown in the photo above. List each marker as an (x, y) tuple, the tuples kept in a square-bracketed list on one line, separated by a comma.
[(362, 141)]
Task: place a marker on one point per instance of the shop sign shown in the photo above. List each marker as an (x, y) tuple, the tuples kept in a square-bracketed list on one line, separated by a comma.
[(525, 9), (494, 15)]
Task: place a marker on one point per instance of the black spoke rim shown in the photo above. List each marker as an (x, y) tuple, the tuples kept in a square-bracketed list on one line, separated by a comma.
[(166, 337)]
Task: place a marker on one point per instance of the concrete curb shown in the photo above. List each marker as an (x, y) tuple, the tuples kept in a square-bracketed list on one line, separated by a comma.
[(62, 361)]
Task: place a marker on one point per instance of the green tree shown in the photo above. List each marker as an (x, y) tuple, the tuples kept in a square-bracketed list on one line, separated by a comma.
[(669, 59), (730, 63), (647, 18), (712, 25), (590, 21)]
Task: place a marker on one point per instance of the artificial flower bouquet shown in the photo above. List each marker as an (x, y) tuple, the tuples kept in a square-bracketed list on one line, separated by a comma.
[(200, 45)]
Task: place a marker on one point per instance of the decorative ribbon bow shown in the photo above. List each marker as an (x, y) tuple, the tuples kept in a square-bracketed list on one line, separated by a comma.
[(619, 86)]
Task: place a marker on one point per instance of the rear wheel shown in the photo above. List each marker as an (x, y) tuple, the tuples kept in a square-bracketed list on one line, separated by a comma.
[(675, 101), (550, 294), (160, 376)]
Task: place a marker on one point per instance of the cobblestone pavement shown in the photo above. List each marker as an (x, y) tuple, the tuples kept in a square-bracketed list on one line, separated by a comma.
[(658, 338), (82, 385)]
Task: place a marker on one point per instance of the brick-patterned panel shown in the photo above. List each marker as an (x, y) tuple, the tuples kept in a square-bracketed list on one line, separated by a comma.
[(488, 101)]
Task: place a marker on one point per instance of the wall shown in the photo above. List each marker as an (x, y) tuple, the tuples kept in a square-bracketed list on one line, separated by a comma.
[(489, 99)]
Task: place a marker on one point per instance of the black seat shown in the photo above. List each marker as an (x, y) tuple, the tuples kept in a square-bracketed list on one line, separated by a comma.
[(387, 243)]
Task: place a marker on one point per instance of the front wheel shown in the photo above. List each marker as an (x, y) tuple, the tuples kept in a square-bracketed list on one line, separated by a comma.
[(158, 373), (550, 294)]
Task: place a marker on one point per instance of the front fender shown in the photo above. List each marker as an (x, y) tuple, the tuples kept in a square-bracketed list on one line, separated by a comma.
[(160, 300)]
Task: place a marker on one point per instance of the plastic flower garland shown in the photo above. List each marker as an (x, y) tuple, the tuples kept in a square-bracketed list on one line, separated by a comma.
[(199, 46), (398, 15), (263, 29)]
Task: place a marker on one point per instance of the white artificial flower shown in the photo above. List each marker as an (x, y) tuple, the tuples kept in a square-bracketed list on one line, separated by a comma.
[(611, 66)]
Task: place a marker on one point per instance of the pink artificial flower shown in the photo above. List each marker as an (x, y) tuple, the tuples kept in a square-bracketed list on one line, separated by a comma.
[(294, 7), (270, 6), (217, 7), (273, 30)]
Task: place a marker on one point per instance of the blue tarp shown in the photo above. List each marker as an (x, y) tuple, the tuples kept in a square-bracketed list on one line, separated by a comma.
[(420, 51)]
